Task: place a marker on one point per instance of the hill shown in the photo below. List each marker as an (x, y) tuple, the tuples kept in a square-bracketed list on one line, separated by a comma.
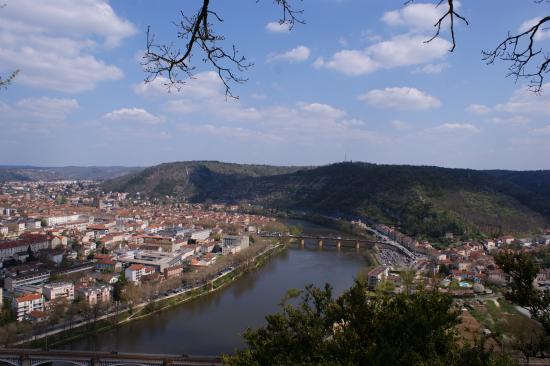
[(31, 173), (423, 201)]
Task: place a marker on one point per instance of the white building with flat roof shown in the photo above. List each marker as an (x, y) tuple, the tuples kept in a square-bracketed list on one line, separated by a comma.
[(58, 291)]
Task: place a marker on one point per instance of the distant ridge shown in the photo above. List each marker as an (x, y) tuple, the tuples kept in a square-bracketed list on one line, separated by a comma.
[(425, 201), (35, 173)]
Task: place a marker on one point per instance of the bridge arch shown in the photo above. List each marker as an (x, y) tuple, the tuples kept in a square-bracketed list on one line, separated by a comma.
[(128, 363), (37, 362), (10, 361)]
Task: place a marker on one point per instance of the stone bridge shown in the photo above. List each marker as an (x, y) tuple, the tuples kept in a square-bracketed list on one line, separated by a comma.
[(340, 242), (33, 357)]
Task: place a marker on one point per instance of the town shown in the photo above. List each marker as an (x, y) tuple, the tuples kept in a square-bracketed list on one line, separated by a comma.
[(69, 253), (72, 254)]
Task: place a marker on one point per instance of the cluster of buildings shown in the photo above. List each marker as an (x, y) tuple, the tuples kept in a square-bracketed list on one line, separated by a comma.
[(464, 269), (67, 241)]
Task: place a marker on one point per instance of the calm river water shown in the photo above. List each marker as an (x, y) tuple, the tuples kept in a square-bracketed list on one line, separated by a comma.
[(213, 324)]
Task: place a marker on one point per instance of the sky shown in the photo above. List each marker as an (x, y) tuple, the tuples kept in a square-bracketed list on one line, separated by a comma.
[(355, 82)]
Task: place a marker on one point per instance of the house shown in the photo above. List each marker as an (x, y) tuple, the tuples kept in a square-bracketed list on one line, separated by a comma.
[(136, 271), (377, 275), (24, 305), (108, 265), (173, 272), (58, 291), (204, 261), (95, 294), (544, 239), (489, 244)]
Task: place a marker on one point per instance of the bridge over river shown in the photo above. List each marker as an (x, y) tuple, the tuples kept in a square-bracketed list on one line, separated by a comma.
[(340, 242), (33, 357)]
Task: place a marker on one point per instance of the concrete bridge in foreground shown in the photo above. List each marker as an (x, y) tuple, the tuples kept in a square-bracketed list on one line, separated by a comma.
[(33, 357)]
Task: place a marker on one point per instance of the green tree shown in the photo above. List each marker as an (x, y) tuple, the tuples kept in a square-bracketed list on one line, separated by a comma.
[(359, 329), (523, 270), (31, 255)]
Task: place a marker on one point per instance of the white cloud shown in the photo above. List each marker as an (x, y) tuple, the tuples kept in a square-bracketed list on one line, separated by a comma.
[(323, 110), (400, 125), (431, 69), (454, 127), (278, 27), (404, 50), (227, 132), (523, 101), (542, 131), (258, 96), (401, 50), (350, 62), (203, 84), (42, 115), (51, 108), (480, 109), (52, 42), (400, 97), (139, 115), (297, 54), (415, 16), (512, 120), (542, 34)]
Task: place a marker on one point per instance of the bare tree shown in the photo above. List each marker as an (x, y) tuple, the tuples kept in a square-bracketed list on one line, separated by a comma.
[(174, 62), (7, 80), (522, 51), (450, 14)]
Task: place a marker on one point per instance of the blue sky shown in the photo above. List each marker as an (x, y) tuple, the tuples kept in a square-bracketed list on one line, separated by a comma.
[(355, 81)]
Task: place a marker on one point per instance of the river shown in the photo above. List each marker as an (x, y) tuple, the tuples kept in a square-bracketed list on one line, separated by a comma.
[(213, 324)]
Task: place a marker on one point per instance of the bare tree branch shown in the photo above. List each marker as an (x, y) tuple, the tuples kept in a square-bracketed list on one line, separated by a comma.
[(175, 62), (451, 13), (4, 82), (521, 50)]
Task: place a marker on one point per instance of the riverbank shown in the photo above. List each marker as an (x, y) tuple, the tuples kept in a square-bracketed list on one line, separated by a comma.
[(58, 337)]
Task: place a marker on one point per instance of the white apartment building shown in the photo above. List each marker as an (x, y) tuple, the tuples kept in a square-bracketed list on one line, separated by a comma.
[(242, 241), (95, 294), (58, 291), (201, 235), (57, 220), (25, 304), (136, 271)]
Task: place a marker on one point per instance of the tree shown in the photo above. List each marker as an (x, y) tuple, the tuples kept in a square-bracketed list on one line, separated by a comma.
[(198, 33), (521, 50), (7, 80), (31, 255), (358, 329), (523, 270)]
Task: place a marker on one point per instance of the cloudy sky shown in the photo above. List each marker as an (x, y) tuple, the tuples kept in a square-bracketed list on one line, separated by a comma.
[(355, 81)]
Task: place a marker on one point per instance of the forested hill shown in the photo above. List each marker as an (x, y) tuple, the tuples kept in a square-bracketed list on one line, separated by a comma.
[(422, 200), (33, 173)]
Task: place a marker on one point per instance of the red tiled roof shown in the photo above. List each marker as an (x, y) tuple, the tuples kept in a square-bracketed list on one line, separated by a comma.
[(28, 297)]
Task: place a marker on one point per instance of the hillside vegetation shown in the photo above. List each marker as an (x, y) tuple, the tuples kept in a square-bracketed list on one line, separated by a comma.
[(423, 201), (31, 173)]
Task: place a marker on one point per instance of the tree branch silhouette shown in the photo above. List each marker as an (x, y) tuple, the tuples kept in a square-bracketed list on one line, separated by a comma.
[(175, 63), (451, 14), (521, 50)]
